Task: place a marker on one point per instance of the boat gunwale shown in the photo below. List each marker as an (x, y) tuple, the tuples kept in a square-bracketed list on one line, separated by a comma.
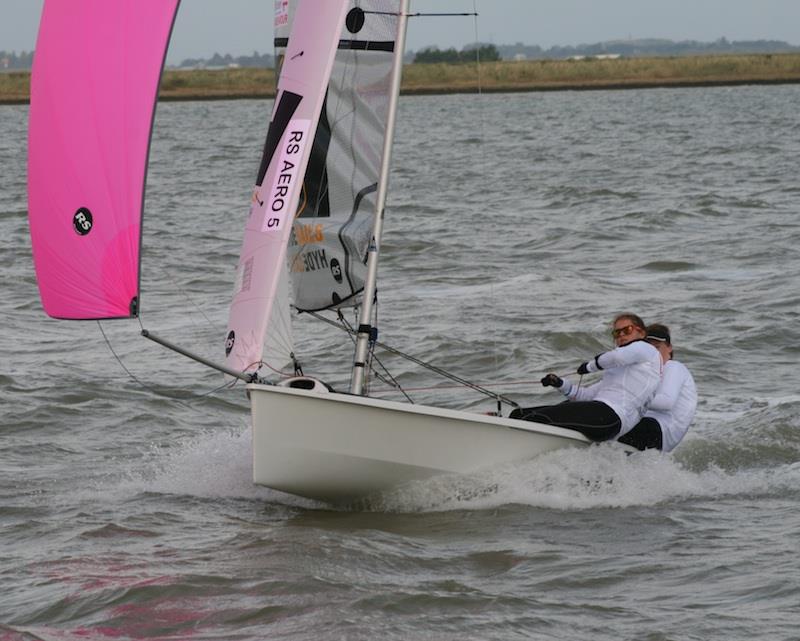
[(430, 410)]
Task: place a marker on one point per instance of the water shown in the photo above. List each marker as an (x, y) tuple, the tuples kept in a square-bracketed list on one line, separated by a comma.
[(127, 507)]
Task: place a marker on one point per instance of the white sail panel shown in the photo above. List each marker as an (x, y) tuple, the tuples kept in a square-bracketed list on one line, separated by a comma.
[(278, 356), (335, 216), (301, 91)]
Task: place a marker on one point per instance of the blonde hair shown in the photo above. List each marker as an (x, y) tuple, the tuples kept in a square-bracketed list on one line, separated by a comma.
[(633, 318)]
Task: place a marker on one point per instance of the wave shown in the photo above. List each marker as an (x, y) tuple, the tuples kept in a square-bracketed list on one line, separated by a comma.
[(600, 477), (757, 453), (210, 465)]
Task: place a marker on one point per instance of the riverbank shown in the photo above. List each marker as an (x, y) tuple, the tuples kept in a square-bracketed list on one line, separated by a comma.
[(503, 76)]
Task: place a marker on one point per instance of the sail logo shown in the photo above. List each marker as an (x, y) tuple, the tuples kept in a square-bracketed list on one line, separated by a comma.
[(281, 13), (82, 221), (310, 262), (336, 270), (308, 234), (230, 341), (282, 194)]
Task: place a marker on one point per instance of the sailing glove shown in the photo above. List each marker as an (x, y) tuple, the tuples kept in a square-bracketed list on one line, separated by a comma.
[(551, 380), (583, 368)]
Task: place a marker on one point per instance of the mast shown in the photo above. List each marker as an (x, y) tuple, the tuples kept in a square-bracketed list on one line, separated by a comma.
[(364, 327)]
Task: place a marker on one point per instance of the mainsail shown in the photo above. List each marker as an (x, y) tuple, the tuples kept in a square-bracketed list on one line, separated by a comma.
[(93, 92), (335, 216), (298, 103)]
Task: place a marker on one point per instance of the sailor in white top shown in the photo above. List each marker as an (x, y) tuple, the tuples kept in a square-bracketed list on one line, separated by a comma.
[(613, 405), (671, 411)]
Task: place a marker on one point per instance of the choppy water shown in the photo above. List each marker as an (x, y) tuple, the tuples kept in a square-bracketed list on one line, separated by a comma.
[(128, 512)]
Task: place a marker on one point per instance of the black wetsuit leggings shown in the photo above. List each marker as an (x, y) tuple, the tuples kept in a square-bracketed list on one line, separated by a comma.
[(593, 419), (645, 435)]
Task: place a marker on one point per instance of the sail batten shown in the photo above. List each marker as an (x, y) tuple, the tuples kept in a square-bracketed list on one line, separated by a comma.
[(93, 93), (363, 45)]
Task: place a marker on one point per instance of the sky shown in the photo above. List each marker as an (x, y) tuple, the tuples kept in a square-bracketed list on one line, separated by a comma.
[(239, 27)]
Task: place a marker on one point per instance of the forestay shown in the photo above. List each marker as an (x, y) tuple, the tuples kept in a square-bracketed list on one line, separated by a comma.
[(93, 93)]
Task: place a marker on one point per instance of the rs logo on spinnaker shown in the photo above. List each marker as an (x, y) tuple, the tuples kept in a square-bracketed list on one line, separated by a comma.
[(82, 221), (230, 341), (286, 175)]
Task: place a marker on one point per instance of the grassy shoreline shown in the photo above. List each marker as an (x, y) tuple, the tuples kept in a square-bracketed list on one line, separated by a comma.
[(491, 77)]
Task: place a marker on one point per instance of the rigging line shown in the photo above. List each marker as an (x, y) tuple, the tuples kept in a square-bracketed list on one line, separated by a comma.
[(429, 15), (391, 381), (185, 294), (371, 342), (149, 388), (416, 15), (422, 363), (229, 385), (282, 333), (482, 164), (275, 370), (119, 360), (144, 385), (503, 384), (477, 57)]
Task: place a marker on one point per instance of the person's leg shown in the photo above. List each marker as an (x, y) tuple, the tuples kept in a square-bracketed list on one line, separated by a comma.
[(645, 435), (593, 419)]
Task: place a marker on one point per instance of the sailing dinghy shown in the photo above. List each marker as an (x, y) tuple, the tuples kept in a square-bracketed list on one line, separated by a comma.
[(316, 214)]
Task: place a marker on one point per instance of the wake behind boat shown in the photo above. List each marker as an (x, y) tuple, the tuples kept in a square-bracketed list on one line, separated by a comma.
[(314, 227)]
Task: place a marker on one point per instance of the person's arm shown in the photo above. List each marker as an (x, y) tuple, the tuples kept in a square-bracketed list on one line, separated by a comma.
[(630, 354), (578, 392), (669, 389)]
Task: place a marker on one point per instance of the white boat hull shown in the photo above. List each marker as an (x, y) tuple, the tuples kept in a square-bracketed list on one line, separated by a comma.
[(338, 447)]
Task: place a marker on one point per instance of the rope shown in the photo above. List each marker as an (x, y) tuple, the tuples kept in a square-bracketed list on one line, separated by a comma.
[(418, 15), (429, 366), (503, 384), (391, 381), (151, 389), (478, 59), (119, 360), (429, 15)]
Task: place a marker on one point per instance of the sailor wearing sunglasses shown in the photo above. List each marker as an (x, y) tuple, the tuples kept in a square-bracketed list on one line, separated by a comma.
[(612, 406)]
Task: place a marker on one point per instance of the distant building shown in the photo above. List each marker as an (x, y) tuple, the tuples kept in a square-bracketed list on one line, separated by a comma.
[(598, 56)]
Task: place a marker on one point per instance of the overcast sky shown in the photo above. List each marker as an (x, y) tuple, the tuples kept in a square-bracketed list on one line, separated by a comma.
[(243, 26)]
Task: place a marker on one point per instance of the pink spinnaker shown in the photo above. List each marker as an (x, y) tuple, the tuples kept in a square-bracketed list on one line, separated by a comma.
[(95, 81), (304, 76)]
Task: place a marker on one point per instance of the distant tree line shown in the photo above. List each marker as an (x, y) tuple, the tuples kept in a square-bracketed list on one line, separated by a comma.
[(483, 52), (14, 60), (227, 60), (647, 47), (10, 60)]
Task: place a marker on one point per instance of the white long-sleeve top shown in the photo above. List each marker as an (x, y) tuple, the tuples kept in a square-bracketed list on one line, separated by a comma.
[(674, 404), (631, 374)]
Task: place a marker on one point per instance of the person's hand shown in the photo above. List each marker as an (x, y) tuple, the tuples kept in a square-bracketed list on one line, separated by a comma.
[(583, 368), (551, 380)]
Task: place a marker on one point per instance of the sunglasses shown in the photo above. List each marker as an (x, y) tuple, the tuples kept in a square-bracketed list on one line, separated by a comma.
[(623, 331)]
